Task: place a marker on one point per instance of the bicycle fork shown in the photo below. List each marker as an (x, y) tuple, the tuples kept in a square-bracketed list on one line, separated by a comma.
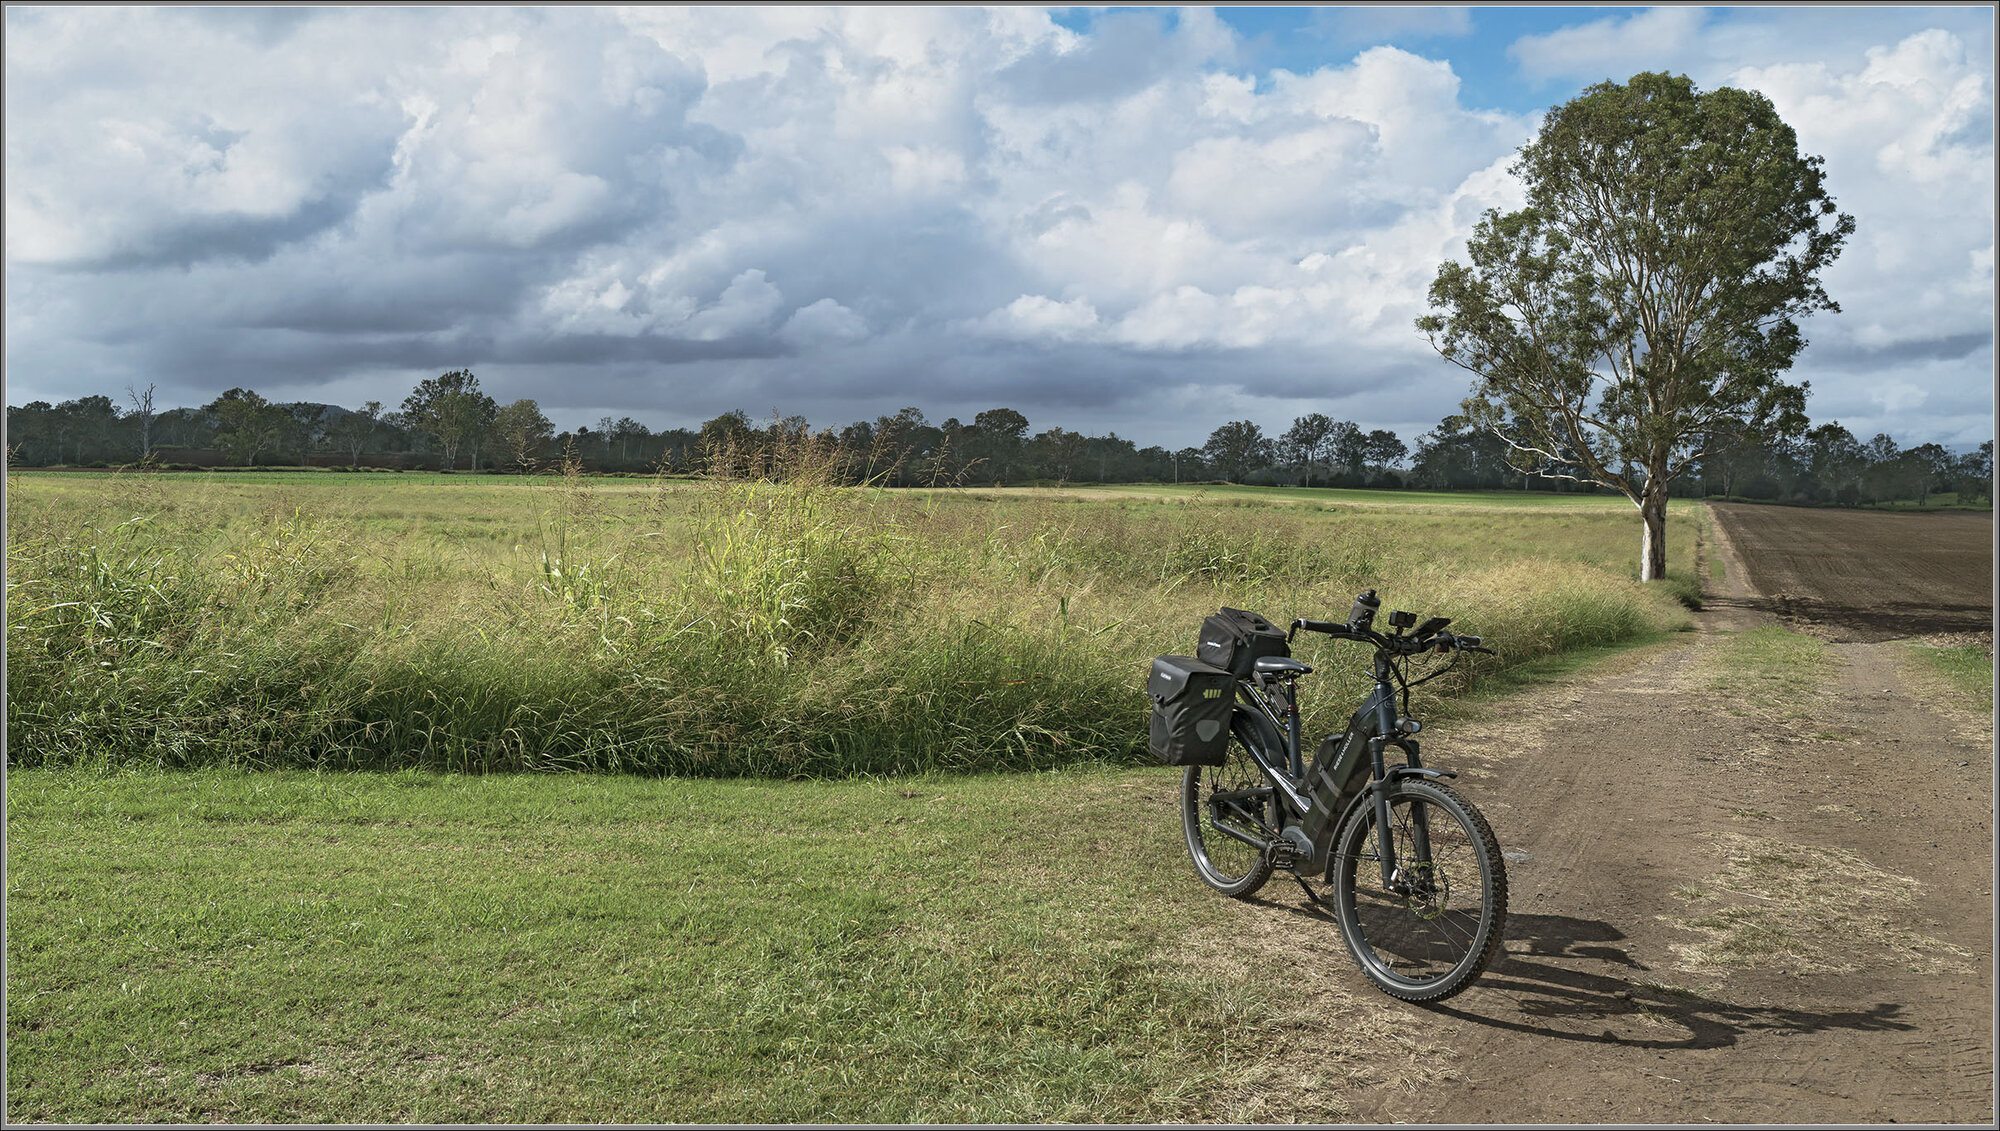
[(1393, 877)]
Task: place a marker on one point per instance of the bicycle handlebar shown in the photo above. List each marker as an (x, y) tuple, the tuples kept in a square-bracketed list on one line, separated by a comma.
[(1442, 640), (1331, 628)]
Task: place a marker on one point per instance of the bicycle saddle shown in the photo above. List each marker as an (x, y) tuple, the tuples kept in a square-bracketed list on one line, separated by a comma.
[(1283, 667)]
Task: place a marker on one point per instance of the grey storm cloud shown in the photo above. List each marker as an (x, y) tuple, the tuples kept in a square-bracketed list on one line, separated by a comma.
[(675, 212), (1853, 357)]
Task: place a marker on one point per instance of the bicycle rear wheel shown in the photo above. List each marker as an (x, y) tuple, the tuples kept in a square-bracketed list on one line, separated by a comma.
[(1217, 801), (1428, 933)]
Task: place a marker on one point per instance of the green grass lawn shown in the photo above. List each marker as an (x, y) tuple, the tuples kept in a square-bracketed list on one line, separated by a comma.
[(296, 946), (412, 947)]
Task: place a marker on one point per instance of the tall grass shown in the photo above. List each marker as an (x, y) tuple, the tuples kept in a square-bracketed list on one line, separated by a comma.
[(767, 620)]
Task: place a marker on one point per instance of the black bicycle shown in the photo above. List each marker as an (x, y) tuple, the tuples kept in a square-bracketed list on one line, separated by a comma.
[(1419, 883)]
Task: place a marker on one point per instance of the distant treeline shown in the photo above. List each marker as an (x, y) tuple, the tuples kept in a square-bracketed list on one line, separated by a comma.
[(448, 424)]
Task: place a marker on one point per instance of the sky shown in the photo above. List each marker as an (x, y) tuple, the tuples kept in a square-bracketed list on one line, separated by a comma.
[(1140, 221)]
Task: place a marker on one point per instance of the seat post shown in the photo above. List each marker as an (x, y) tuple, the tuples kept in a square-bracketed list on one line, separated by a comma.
[(1285, 671)]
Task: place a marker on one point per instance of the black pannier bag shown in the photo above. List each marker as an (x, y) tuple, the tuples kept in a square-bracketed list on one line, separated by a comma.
[(1191, 706), (1233, 640)]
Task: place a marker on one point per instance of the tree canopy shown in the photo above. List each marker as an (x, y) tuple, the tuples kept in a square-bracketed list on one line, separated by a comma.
[(451, 409), (1638, 315)]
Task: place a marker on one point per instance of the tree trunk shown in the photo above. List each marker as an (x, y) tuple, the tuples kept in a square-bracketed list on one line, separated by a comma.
[(1653, 542)]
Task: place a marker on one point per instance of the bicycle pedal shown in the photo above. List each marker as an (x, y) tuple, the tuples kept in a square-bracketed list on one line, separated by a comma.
[(1290, 848)]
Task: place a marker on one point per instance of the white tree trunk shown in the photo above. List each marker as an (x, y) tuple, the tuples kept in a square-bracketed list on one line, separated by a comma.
[(1653, 540)]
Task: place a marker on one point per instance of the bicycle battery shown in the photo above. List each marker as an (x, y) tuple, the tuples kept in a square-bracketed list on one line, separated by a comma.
[(1192, 702), (1341, 768)]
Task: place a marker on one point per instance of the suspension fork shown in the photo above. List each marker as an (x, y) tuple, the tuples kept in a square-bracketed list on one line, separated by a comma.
[(1385, 836), (1385, 839)]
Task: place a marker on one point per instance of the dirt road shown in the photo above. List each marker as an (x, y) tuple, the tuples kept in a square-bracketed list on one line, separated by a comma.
[(1731, 903)]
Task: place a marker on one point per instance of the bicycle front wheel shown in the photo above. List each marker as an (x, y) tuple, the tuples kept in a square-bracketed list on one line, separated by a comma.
[(1428, 932), (1226, 814)]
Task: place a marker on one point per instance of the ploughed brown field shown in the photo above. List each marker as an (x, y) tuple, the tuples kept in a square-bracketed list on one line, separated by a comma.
[(1869, 575)]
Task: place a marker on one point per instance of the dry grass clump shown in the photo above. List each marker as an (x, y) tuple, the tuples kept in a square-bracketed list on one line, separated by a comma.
[(1805, 909)]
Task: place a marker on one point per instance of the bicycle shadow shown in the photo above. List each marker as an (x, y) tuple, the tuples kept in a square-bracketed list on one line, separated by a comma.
[(1536, 987)]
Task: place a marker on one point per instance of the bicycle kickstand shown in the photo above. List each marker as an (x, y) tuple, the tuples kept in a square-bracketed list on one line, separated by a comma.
[(1310, 893)]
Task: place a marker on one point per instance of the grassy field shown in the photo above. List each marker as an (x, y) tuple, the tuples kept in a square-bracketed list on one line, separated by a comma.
[(192, 941), (724, 628), (290, 946)]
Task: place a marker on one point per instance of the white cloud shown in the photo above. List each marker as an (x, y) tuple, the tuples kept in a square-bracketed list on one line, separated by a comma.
[(982, 207), (1611, 48), (1038, 318), (825, 322), (747, 305), (1898, 396), (1906, 136)]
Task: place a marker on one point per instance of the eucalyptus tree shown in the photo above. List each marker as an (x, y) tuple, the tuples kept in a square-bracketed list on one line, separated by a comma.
[(1307, 443), (247, 425), (141, 417), (1640, 312), (354, 431), (627, 432), (999, 436), (1060, 452), (452, 411), (521, 432), (1384, 449), (1348, 447), (1236, 449)]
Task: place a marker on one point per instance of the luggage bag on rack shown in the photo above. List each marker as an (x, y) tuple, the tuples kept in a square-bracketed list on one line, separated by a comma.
[(1192, 702), (1233, 640)]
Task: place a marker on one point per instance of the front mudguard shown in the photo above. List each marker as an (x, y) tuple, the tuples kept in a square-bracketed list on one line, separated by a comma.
[(1324, 856)]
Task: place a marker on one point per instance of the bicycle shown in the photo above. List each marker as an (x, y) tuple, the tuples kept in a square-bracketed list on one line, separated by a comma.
[(1419, 882)]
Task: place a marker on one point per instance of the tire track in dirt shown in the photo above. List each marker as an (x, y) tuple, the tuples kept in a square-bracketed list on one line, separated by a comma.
[(1616, 792)]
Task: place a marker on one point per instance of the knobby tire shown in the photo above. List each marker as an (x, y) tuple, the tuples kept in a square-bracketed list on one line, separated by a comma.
[(1431, 939)]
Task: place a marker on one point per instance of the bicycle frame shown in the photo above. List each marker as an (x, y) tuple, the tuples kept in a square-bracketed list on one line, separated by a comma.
[(1307, 806)]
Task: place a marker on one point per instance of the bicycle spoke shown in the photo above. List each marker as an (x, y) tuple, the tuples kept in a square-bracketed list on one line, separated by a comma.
[(1430, 934), (1225, 821)]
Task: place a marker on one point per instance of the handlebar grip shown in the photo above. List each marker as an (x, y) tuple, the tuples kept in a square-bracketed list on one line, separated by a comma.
[(1320, 626)]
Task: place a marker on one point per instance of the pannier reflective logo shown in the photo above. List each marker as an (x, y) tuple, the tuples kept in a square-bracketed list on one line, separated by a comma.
[(1212, 693), (1207, 729)]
